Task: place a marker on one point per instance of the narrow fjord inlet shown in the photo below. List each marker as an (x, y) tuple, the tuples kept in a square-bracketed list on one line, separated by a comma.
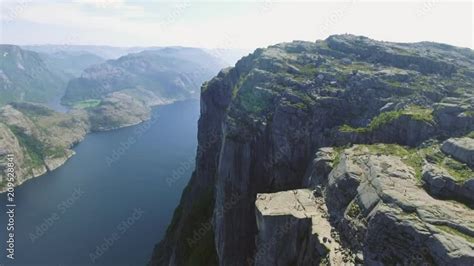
[(110, 202)]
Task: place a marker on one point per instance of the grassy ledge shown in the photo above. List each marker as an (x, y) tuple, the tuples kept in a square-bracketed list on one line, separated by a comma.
[(455, 232), (415, 112), (90, 103)]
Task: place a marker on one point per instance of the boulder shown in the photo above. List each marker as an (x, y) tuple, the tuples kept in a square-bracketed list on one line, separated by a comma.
[(461, 149), (452, 119), (440, 184)]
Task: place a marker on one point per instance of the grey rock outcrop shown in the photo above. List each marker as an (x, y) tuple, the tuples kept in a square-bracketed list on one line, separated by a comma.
[(454, 117), (439, 183), (396, 220), (321, 166), (371, 210), (293, 229), (461, 149)]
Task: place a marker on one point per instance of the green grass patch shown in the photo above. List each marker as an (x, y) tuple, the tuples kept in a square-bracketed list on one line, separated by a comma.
[(354, 209), (377, 122), (419, 113), (360, 66), (456, 232), (32, 110), (33, 147), (394, 83), (409, 156), (55, 152), (415, 112), (469, 113), (300, 106), (307, 70), (238, 85), (349, 129), (254, 100), (338, 153), (459, 171), (90, 103)]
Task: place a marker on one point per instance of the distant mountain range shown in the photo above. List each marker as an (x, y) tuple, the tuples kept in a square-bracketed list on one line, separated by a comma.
[(71, 64), (228, 55), (24, 76), (46, 73), (107, 52), (172, 73)]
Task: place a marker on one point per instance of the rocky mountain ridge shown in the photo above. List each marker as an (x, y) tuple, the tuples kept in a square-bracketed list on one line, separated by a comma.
[(25, 76), (267, 117), (169, 74)]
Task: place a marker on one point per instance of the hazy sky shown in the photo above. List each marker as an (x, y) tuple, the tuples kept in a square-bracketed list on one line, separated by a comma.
[(230, 24)]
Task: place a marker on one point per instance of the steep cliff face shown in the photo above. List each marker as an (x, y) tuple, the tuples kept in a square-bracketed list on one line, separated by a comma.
[(190, 238), (277, 106)]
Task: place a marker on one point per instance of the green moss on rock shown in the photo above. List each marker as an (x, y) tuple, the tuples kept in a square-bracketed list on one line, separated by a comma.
[(412, 157), (413, 111), (34, 148), (90, 103), (455, 232)]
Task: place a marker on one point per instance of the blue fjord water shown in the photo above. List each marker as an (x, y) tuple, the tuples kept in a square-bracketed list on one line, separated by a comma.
[(112, 201)]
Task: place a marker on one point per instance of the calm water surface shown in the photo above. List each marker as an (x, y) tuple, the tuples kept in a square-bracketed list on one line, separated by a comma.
[(111, 202)]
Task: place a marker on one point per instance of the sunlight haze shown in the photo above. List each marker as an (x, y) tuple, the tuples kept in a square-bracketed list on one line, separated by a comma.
[(230, 24)]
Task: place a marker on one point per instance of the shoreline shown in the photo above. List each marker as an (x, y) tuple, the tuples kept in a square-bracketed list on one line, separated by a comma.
[(45, 169)]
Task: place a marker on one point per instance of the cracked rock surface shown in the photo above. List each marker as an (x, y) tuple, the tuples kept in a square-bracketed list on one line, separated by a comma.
[(372, 210)]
